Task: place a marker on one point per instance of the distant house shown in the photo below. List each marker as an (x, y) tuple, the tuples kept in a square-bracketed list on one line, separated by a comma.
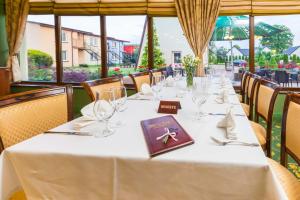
[(244, 52), (78, 47), (292, 51)]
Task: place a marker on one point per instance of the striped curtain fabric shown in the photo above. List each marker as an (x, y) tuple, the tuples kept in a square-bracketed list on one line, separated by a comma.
[(159, 7)]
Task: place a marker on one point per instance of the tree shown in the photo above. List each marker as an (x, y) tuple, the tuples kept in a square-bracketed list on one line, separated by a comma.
[(158, 55), (294, 58), (261, 61), (273, 62), (279, 41), (285, 59)]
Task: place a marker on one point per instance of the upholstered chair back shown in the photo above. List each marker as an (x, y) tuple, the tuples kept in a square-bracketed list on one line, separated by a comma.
[(139, 79), (24, 115), (94, 86), (265, 100), (290, 136)]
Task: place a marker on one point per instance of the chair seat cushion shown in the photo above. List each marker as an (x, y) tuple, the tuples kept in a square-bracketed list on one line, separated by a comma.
[(19, 195), (288, 181), (246, 109), (260, 133), (240, 97)]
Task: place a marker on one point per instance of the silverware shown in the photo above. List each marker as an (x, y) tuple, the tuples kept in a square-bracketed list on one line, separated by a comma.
[(80, 133), (223, 114), (234, 142)]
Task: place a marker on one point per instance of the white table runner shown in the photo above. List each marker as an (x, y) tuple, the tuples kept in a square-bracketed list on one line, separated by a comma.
[(53, 166)]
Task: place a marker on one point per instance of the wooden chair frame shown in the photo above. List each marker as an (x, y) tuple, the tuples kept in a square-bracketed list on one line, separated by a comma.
[(21, 97), (251, 100), (243, 85), (88, 84), (276, 89), (133, 76), (292, 97)]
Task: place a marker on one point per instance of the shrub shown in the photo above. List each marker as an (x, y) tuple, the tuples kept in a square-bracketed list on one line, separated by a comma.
[(39, 59), (83, 65), (273, 62)]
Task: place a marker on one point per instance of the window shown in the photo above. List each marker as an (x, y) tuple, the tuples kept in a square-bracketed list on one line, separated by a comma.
[(277, 41), (125, 43), (64, 36), (83, 55), (228, 50), (170, 44), (177, 57), (64, 56), (37, 57)]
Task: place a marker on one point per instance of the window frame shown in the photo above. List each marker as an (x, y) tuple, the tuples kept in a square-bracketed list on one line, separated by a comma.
[(104, 46)]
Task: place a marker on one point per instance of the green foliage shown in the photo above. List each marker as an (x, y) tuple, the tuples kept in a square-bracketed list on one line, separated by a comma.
[(298, 59), (273, 62), (280, 41), (285, 58), (83, 65), (261, 61), (39, 59), (294, 58), (158, 55)]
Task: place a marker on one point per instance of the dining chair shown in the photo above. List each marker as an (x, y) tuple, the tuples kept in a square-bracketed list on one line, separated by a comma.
[(250, 95), (244, 85), (294, 77), (282, 77), (139, 79), (265, 98), (94, 86), (24, 115), (155, 72), (290, 145)]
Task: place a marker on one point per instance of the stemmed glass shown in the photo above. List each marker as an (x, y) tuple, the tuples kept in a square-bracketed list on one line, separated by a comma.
[(157, 85), (104, 109), (177, 75), (120, 94), (199, 97)]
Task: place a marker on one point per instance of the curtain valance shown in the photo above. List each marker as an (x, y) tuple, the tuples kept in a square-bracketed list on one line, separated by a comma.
[(158, 7)]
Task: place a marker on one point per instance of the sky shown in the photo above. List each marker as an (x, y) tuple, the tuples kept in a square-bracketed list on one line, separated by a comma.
[(130, 28)]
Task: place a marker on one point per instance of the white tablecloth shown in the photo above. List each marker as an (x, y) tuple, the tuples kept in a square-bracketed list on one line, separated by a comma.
[(55, 166)]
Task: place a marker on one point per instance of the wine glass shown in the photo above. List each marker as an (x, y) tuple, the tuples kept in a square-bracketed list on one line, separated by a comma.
[(177, 75), (199, 97), (157, 84), (104, 109), (120, 94)]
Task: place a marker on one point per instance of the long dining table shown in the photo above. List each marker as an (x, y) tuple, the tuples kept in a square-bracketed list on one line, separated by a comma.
[(117, 167)]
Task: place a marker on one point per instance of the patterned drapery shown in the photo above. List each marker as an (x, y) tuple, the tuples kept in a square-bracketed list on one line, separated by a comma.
[(197, 19), (16, 16)]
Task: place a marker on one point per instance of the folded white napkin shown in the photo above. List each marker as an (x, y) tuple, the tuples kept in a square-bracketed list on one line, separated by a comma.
[(222, 97), (170, 81), (146, 89), (228, 122), (88, 116)]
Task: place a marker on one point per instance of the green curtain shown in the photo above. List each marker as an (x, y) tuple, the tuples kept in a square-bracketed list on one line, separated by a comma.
[(3, 38)]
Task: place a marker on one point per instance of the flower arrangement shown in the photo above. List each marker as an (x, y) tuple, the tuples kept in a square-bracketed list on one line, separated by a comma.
[(190, 64)]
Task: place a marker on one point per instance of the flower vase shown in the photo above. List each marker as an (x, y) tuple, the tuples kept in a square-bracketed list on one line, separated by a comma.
[(189, 79)]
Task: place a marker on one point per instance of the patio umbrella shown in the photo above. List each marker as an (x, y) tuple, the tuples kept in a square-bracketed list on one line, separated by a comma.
[(237, 28), (232, 28)]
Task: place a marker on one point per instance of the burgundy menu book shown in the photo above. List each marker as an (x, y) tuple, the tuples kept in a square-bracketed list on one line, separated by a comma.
[(155, 129)]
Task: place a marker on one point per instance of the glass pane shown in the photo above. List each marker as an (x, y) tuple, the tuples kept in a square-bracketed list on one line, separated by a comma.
[(80, 48), (277, 52), (229, 46), (170, 44), (125, 43), (37, 54)]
